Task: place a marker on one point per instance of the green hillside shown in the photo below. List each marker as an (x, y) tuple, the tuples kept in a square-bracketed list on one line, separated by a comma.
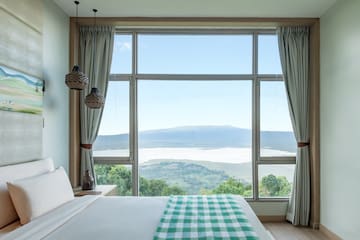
[(163, 178), (187, 175), (242, 171)]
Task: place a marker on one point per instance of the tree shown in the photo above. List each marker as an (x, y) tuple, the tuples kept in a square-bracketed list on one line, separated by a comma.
[(115, 174), (173, 190), (233, 186), (274, 186), (152, 187), (270, 184), (121, 176), (285, 186)]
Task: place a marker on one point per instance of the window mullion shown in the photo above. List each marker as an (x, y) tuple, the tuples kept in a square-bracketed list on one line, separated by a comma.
[(276, 161), (112, 160), (120, 77), (256, 119), (134, 121), (256, 136)]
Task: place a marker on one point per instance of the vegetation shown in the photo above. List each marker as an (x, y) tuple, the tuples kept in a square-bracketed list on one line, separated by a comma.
[(273, 186), (269, 186), (158, 187), (115, 174), (191, 177), (233, 186), (121, 176)]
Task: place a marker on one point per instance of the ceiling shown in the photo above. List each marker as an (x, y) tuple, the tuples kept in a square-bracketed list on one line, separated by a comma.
[(198, 8)]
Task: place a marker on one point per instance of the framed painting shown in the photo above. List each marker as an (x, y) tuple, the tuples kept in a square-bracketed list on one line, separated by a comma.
[(20, 92)]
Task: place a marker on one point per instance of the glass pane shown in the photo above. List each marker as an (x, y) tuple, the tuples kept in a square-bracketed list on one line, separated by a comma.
[(276, 180), (119, 175), (113, 137), (195, 137), (195, 54), (276, 136), (269, 58), (122, 54)]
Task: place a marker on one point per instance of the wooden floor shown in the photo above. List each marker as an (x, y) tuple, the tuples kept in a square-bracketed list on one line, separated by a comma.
[(286, 231)]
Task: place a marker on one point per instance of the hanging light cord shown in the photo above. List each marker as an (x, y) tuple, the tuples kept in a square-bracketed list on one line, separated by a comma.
[(95, 11), (77, 5), (76, 19), (94, 45)]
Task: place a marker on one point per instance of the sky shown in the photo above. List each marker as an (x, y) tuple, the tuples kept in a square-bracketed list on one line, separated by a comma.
[(172, 103)]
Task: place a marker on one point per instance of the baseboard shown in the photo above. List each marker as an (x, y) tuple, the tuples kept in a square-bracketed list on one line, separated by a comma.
[(328, 233), (265, 219), (315, 225)]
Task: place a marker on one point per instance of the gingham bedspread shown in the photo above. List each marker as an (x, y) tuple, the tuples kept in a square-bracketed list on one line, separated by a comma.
[(204, 217)]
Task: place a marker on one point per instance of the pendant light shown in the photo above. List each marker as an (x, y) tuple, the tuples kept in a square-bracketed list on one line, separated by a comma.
[(76, 79), (94, 99)]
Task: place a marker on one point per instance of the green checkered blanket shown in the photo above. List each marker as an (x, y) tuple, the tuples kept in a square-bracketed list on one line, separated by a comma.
[(204, 217)]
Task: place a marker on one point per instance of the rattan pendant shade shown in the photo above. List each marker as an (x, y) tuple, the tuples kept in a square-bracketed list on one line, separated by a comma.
[(75, 79), (94, 99)]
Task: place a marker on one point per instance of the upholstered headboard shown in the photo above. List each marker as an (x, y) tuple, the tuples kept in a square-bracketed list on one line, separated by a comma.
[(20, 137)]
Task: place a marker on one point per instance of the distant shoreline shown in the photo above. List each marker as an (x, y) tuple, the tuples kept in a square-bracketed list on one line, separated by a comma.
[(224, 155)]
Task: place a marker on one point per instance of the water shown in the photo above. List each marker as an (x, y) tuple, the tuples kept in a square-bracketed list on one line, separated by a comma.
[(223, 155)]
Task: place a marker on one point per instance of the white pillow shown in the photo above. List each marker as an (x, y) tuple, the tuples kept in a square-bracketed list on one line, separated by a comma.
[(18, 171), (34, 196)]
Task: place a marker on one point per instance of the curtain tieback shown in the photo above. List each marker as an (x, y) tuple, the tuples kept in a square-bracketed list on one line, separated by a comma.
[(86, 146), (303, 144)]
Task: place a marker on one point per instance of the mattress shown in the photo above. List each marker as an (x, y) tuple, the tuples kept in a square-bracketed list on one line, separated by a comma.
[(94, 217)]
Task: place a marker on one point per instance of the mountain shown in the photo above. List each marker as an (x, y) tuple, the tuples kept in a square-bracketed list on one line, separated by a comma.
[(199, 137)]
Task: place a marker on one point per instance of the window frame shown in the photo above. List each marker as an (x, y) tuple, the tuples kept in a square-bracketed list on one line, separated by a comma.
[(256, 78)]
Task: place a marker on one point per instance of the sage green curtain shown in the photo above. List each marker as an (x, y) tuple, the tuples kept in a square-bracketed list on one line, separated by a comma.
[(96, 47), (294, 55)]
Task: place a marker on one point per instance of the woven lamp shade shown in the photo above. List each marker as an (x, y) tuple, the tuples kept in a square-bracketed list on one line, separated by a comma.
[(76, 79), (94, 99)]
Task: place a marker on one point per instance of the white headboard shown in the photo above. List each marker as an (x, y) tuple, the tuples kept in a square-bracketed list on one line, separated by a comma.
[(20, 137)]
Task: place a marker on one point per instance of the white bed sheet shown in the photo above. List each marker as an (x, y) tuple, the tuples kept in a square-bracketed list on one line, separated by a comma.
[(42, 226), (120, 218)]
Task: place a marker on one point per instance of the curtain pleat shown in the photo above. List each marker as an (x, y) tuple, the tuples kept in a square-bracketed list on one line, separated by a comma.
[(96, 47), (294, 55)]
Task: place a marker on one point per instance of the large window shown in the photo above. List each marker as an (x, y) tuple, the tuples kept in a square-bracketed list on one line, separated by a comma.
[(193, 134), (196, 113)]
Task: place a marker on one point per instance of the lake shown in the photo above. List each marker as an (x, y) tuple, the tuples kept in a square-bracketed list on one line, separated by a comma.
[(225, 155)]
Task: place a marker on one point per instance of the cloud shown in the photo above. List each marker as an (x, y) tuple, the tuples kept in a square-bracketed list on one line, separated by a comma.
[(123, 46)]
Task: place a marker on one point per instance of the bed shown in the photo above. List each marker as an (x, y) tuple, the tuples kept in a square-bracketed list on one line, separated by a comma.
[(98, 217)]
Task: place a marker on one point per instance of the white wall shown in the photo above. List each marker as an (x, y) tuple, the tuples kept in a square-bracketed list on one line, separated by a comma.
[(340, 119), (56, 98)]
